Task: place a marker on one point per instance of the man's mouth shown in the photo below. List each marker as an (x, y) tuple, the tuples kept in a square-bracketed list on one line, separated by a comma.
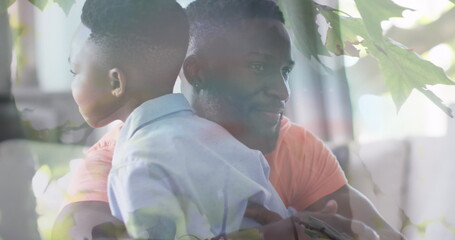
[(271, 115)]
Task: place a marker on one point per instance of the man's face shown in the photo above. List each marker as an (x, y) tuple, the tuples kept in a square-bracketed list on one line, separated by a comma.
[(248, 74), (91, 86)]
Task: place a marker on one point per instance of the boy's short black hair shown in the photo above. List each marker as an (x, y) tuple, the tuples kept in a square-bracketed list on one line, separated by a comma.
[(209, 16), (131, 27)]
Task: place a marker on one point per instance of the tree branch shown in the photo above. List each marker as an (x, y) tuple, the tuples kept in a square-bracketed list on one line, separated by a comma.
[(423, 38), (5, 55)]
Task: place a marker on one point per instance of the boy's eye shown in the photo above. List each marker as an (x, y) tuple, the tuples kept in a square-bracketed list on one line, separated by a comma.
[(285, 72), (258, 67), (72, 73)]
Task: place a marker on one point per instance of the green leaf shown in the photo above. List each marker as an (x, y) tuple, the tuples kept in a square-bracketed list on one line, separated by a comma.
[(404, 70), (5, 4), (343, 32), (65, 5), (41, 4), (453, 1), (301, 18), (376, 11), (437, 101)]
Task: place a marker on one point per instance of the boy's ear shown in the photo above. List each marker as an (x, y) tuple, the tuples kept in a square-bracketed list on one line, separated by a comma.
[(118, 83), (194, 72)]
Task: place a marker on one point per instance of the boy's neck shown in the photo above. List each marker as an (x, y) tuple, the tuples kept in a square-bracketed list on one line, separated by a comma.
[(133, 102)]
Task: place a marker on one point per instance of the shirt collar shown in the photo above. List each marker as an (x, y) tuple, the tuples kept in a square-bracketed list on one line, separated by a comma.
[(153, 109)]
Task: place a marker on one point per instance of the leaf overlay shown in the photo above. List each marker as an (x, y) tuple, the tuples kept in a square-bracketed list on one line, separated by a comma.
[(404, 70), (343, 32), (5, 4), (301, 18), (65, 5), (41, 4), (374, 12)]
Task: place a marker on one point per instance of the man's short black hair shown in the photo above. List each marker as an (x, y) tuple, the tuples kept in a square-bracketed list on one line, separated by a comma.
[(132, 27), (207, 17)]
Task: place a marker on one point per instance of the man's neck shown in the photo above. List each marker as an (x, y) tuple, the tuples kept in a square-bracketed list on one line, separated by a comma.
[(253, 140)]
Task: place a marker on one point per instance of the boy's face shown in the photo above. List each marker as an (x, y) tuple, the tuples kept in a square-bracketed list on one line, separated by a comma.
[(91, 85), (248, 79)]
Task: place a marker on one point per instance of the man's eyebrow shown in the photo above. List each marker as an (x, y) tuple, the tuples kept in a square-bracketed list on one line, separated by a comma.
[(69, 60), (262, 54), (269, 56)]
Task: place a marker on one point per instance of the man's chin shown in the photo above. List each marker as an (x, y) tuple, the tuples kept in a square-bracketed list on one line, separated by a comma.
[(270, 128), (269, 136)]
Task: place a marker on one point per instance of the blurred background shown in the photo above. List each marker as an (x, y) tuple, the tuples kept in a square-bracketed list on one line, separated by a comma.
[(402, 159)]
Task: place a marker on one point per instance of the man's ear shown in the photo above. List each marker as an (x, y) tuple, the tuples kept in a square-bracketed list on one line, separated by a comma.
[(194, 72), (118, 83)]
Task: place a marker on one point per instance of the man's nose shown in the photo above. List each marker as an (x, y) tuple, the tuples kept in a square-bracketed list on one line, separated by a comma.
[(278, 87)]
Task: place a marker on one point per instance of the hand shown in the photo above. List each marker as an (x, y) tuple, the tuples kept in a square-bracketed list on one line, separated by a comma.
[(261, 214), (284, 230), (328, 216), (274, 227)]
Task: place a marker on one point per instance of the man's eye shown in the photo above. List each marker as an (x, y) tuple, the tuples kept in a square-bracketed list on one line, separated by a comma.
[(72, 73), (258, 67)]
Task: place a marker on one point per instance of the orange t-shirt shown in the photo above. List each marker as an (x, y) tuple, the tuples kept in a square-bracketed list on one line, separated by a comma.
[(88, 181), (302, 169)]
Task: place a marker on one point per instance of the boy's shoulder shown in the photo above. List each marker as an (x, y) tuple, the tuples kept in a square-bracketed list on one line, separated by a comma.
[(187, 129), (186, 138)]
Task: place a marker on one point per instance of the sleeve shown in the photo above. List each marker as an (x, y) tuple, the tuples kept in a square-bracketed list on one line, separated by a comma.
[(322, 174), (145, 197)]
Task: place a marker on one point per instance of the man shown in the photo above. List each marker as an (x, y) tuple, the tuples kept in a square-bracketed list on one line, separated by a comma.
[(237, 68), (237, 72)]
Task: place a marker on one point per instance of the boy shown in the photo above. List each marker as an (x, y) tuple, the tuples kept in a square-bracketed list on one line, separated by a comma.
[(173, 173)]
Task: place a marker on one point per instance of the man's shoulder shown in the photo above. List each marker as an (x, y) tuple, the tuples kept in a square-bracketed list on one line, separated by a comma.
[(296, 139), (291, 130), (189, 134), (189, 127), (174, 144)]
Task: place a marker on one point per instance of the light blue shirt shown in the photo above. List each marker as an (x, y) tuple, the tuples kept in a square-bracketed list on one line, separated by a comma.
[(175, 174)]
